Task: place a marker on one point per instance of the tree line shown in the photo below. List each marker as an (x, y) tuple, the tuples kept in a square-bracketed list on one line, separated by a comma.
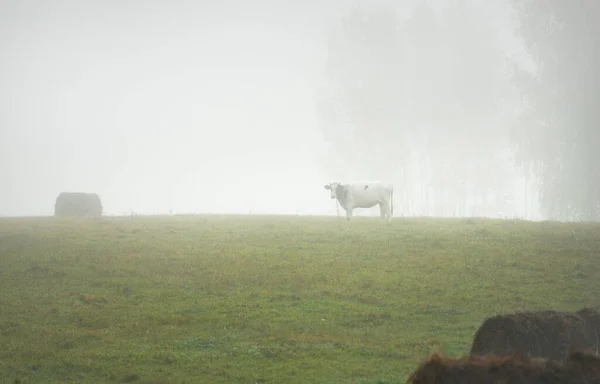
[(433, 102)]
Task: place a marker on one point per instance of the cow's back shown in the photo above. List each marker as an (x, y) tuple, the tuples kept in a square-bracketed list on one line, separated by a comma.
[(368, 194)]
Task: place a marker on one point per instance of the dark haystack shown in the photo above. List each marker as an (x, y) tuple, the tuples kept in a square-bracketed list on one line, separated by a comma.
[(578, 368), (545, 334), (78, 204)]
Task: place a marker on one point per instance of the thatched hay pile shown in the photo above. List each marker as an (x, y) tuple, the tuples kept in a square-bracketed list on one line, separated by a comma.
[(546, 334), (576, 368), (78, 204)]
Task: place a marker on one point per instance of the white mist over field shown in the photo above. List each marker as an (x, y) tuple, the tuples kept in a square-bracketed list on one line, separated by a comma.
[(186, 107)]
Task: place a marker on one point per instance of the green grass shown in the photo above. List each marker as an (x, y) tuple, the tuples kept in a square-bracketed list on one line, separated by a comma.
[(253, 299)]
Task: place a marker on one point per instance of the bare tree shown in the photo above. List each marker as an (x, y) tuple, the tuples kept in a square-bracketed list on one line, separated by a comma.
[(558, 136)]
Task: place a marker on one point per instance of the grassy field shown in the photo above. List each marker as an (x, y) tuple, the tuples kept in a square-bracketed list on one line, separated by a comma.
[(252, 299)]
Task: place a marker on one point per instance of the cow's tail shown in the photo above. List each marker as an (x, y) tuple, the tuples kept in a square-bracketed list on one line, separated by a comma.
[(392, 199)]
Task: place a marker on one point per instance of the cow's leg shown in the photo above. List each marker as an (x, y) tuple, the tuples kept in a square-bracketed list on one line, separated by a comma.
[(349, 213), (386, 212), (382, 211), (389, 212)]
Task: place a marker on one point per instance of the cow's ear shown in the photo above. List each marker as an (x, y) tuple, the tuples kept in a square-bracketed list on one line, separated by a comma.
[(328, 186)]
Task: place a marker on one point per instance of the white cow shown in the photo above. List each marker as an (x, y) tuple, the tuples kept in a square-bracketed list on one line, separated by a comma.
[(364, 195)]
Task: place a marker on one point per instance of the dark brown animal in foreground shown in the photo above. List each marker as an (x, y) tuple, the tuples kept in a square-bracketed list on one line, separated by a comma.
[(578, 368), (546, 334)]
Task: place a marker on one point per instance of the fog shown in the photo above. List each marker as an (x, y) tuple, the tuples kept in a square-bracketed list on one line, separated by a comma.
[(191, 107)]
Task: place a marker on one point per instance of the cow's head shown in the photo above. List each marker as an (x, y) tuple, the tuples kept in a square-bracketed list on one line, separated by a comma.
[(333, 187)]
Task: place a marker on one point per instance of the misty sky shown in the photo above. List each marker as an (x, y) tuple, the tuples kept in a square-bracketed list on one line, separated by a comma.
[(168, 105)]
